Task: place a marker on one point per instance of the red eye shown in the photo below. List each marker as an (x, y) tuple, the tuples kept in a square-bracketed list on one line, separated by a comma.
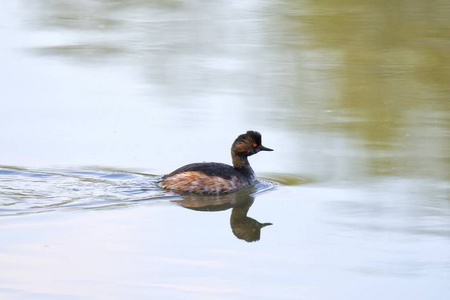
[(254, 145)]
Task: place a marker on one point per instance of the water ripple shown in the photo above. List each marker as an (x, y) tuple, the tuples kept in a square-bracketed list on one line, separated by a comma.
[(31, 191)]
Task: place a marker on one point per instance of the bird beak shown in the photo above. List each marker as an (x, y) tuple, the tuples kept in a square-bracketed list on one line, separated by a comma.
[(262, 148)]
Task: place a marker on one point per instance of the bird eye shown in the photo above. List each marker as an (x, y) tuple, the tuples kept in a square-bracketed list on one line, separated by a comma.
[(254, 145)]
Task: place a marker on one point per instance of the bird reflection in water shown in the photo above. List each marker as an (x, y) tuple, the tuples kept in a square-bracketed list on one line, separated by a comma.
[(243, 227)]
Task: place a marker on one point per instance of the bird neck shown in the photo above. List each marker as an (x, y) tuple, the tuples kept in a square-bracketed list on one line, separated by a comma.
[(241, 164)]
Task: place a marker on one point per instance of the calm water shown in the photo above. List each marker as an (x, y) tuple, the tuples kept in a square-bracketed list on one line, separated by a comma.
[(100, 98)]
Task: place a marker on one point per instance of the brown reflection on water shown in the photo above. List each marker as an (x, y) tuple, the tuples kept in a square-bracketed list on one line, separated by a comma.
[(243, 227)]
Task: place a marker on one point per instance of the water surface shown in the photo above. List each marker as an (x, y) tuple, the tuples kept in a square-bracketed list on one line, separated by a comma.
[(101, 98)]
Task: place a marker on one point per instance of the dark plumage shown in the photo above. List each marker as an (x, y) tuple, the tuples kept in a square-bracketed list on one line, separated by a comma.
[(210, 169), (217, 178)]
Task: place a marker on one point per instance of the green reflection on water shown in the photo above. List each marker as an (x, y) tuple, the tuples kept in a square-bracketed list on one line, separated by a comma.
[(390, 87)]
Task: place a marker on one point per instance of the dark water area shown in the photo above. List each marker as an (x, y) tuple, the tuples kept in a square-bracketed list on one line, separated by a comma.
[(101, 98)]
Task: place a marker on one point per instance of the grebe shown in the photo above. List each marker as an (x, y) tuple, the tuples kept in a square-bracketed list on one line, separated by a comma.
[(217, 178)]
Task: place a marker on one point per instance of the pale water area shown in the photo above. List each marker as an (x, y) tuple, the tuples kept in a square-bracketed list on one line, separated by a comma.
[(101, 98)]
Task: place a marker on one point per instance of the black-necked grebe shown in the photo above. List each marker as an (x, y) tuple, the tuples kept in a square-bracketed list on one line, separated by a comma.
[(217, 178)]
